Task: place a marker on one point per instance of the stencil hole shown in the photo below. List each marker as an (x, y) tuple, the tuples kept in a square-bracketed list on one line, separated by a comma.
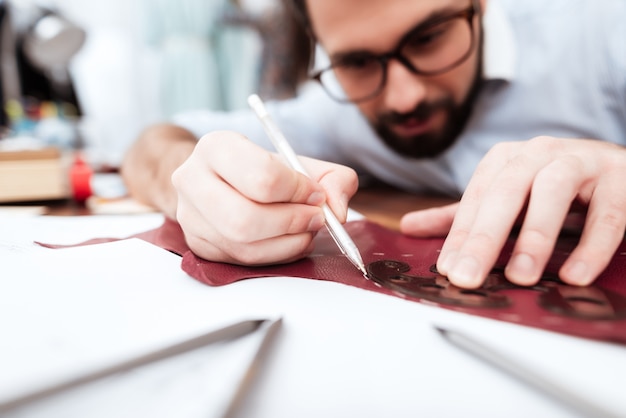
[(581, 299), (473, 293), (431, 286)]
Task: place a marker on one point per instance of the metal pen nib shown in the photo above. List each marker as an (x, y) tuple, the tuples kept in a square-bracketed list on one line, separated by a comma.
[(336, 230), (343, 240)]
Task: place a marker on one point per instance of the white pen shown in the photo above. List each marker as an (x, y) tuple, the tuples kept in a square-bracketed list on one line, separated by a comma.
[(575, 401), (336, 230)]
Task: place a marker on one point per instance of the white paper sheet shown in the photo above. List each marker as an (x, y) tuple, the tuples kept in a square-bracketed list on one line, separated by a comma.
[(342, 351)]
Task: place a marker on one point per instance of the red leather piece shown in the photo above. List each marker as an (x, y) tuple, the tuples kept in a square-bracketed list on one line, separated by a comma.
[(378, 243)]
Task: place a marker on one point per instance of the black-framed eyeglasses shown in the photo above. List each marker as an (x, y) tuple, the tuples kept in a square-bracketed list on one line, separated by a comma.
[(431, 48)]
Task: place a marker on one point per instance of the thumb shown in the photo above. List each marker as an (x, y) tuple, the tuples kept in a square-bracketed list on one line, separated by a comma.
[(339, 182), (427, 223)]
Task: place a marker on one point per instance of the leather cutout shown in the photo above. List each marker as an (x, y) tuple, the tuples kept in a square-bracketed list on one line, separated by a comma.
[(596, 312)]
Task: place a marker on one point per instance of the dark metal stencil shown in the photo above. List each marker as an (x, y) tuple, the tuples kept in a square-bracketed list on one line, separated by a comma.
[(590, 303), (391, 274)]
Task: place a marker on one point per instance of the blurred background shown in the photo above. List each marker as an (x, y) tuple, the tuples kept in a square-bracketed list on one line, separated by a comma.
[(91, 75)]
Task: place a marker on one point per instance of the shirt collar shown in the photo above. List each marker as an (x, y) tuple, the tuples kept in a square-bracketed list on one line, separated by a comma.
[(500, 49)]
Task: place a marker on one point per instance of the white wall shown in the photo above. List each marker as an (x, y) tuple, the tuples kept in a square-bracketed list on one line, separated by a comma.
[(116, 74)]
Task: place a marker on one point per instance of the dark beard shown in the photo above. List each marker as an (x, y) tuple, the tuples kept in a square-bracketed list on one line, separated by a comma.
[(430, 144)]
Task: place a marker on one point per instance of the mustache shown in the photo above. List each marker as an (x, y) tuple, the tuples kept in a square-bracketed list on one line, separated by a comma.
[(421, 112)]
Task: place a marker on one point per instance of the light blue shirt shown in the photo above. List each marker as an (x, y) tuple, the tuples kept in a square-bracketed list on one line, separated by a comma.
[(553, 68)]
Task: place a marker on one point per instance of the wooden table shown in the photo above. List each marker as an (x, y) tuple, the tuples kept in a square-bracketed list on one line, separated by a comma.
[(386, 205), (382, 204)]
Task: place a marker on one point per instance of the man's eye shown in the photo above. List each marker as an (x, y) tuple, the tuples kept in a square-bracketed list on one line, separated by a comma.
[(357, 62), (433, 36), (426, 39)]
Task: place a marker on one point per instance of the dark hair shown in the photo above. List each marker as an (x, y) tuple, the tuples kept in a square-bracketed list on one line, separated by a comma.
[(298, 8), (287, 47), (302, 41)]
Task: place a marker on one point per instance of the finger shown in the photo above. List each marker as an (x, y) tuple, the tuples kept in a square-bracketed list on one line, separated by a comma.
[(205, 240), (282, 249), (602, 234), (258, 174), (433, 222), (496, 215), (553, 190), (236, 219), (339, 182), (470, 203)]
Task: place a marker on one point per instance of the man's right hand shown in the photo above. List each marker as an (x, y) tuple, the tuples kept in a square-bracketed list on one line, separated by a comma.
[(241, 204)]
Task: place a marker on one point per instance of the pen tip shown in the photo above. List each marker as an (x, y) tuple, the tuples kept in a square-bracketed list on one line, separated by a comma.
[(363, 270)]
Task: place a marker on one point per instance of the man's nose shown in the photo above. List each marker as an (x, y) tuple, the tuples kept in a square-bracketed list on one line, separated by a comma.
[(404, 89)]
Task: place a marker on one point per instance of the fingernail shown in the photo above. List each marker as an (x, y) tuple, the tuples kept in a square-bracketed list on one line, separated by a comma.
[(445, 261), (316, 199), (521, 267), (317, 222), (465, 272), (578, 273), (344, 205)]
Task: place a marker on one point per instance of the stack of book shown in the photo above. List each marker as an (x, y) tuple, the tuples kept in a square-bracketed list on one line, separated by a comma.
[(33, 175)]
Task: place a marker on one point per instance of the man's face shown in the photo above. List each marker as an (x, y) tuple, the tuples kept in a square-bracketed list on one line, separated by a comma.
[(416, 115)]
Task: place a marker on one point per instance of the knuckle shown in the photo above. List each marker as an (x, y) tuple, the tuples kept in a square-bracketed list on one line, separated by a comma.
[(474, 192), (194, 243), (267, 181), (592, 255), (179, 176), (482, 237), (543, 143), (535, 241), (175, 178), (517, 163), (507, 187), (210, 141), (502, 149), (248, 255), (348, 173), (203, 248), (482, 242), (353, 183), (349, 178), (220, 136), (263, 188), (182, 178), (543, 147), (297, 221), (346, 177), (456, 237), (261, 254), (238, 229), (615, 159), (497, 153), (223, 148), (511, 181), (559, 175), (612, 218)]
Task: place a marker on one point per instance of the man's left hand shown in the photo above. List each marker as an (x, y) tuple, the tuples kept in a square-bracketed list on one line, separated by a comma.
[(537, 181)]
